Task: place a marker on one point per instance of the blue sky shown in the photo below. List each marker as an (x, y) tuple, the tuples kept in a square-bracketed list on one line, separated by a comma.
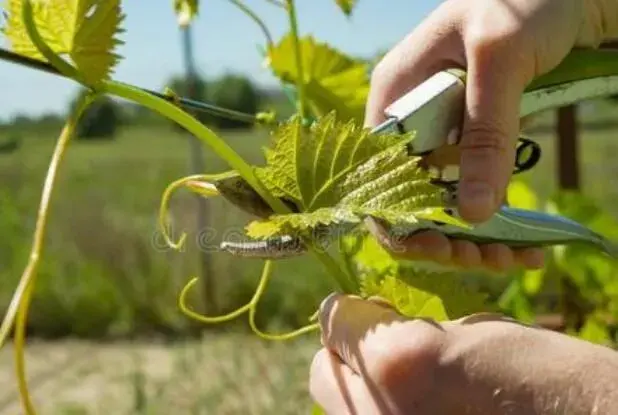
[(225, 40)]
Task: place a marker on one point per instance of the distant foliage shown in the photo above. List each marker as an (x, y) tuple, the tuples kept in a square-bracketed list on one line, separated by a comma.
[(10, 144), (100, 121)]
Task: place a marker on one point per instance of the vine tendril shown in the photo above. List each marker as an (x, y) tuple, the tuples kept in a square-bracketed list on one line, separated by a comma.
[(188, 181), (251, 307)]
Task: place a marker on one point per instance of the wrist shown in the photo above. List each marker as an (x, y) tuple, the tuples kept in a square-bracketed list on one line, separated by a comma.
[(599, 23), (532, 369)]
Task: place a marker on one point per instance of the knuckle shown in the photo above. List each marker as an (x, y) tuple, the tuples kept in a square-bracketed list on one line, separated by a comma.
[(501, 40), (484, 136)]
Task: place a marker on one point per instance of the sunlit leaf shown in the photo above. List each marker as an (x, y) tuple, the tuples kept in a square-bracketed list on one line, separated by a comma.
[(521, 196), (332, 80), (533, 280), (83, 30), (417, 293), (414, 289), (595, 331), (338, 173), (514, 302)]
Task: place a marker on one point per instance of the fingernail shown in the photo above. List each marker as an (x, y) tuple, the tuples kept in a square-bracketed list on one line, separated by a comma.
[(328, 302), (477, 196)]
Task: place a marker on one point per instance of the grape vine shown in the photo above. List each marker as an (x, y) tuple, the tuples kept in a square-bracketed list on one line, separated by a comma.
[(322, 170)]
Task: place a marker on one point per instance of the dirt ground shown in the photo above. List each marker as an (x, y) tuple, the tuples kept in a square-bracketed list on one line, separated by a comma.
[(222, 374)]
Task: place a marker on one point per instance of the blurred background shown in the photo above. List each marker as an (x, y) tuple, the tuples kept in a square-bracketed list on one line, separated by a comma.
[(106, 335)]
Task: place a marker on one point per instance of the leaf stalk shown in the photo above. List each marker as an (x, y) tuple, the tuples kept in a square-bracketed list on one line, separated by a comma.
[(253, 16)]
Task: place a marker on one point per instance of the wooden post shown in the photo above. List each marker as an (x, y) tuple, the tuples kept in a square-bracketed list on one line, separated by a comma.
[(569, 179), (568, 149)]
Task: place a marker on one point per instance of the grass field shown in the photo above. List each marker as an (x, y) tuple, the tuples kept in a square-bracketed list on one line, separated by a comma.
[(223, 374), (104, 255), (107, 291)]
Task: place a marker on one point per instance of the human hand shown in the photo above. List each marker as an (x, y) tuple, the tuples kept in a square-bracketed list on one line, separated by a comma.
[(503, 44), (375, 361)]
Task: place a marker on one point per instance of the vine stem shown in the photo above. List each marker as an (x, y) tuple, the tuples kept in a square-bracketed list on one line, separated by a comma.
[(253, 16), (22, 296), (300, 82)]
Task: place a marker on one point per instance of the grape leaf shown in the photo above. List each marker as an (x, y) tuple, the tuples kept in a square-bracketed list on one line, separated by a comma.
[(338, 173), (419, 293), (84, 30), (595, 330), (332, 80), (415, 289), (309, 165), (346, 6), (186, 11), (521, 196)]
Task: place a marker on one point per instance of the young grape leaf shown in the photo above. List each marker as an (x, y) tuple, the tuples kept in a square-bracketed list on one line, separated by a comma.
[(84, 30), (339, 174), (309, 165), (415, 290), (417, 293), (186, 11), (332, 80), (346, 6)]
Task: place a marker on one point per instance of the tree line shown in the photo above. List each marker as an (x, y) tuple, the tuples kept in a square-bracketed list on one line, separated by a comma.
[(104, 117)]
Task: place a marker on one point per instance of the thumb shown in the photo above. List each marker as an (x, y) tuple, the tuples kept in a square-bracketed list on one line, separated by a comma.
[(489, 135), (348, 320)]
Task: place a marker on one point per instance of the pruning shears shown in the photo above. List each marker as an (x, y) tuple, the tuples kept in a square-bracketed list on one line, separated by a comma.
[(434, 111)]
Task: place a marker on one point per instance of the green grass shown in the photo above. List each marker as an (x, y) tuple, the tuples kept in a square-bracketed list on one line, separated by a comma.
[(211, 375), (104, 270)]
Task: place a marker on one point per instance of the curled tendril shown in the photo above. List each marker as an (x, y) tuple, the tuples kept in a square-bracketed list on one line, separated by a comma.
[(251, 307), (198, 183), (182, 299)]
